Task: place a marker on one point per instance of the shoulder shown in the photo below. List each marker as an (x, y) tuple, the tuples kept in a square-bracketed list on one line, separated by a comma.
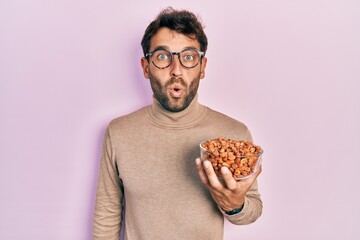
[(127, 121), (227, 125), (223, 118)]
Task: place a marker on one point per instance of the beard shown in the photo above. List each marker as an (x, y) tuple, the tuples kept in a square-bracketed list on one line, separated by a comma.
[(170, 103)]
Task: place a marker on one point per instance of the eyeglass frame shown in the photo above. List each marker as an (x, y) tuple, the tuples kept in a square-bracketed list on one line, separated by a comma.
[(201, 54)]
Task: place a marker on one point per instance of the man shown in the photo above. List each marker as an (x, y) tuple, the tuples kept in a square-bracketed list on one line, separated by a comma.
[(147, 158)]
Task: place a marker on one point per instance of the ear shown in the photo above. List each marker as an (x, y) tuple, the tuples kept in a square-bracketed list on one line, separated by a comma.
[(145, 67), (202, 67)]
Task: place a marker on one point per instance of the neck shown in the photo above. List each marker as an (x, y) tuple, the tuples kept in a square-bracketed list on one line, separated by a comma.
[(185, 118)]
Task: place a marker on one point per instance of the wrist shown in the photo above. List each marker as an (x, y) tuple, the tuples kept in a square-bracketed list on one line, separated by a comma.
[(235, 211)]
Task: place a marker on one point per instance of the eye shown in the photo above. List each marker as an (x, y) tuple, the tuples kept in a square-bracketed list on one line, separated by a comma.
[(188, 57), (162, 57)]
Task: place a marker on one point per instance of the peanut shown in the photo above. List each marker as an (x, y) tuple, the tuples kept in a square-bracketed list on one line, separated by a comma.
[(238, 155)]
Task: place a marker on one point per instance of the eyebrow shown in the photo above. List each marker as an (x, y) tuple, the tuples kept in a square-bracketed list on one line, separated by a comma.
[(163, 47)]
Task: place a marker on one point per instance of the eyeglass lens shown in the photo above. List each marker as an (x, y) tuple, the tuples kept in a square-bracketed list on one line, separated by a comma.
[(163, 58)]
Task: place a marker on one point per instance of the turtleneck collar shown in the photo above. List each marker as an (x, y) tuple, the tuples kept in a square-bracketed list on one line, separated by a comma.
[(189, 117)]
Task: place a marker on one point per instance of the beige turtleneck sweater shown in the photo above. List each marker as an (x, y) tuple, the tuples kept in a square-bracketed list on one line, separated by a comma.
[(148, 163)]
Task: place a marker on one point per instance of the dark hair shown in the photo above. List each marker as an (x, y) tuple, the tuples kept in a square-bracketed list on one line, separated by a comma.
[(183, 22)]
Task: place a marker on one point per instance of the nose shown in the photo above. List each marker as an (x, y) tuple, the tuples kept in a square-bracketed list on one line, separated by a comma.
[(175, 67)]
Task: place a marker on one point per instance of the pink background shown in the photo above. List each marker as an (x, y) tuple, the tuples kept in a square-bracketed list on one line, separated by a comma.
[(289, 69)]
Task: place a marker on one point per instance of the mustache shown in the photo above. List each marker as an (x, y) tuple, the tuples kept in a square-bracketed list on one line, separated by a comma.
[(175, 80)]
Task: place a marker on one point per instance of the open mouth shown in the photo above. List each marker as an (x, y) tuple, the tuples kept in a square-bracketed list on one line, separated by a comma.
[(176, 91)]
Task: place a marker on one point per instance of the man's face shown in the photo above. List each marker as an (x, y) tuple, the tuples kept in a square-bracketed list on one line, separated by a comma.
[(175, 86)]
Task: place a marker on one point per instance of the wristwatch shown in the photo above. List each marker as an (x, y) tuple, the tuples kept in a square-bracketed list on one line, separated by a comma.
[(235, 211)]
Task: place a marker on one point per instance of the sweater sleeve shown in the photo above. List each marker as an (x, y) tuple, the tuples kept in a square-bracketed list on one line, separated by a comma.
[(108, 204), (252, 208)]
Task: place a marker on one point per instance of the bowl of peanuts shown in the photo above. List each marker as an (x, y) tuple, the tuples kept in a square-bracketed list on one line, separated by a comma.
[(242, 158)]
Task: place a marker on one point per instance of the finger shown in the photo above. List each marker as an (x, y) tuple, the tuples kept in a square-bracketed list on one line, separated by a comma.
[(212, 177), (229, 179), (201, 172)]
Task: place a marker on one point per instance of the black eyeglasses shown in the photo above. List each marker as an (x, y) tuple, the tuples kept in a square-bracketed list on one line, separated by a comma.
[(189, 58)]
